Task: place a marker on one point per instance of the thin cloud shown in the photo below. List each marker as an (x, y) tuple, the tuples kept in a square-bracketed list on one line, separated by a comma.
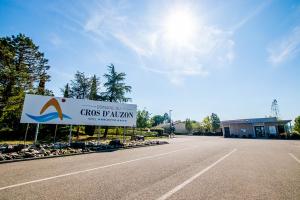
[(55, 40), (251, 15), (286, 48), (211, 46)]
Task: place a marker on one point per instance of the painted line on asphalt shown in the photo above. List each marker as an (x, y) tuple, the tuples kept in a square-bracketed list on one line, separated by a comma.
[(293, 156), (93, 169), (182, 185)]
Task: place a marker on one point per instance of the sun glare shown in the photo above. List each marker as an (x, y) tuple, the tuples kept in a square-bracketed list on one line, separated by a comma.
[(180, 27)]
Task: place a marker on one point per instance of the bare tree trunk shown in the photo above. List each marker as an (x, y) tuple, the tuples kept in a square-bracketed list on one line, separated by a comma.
[(77, 133), (105, 132)]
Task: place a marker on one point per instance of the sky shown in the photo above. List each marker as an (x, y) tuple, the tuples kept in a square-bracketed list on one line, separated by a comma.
[(193, 57)]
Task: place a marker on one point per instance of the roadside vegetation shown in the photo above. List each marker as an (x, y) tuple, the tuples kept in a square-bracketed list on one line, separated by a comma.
[(25, 70)]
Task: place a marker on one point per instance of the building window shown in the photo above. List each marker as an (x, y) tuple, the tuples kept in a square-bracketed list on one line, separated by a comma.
[(272, 130)]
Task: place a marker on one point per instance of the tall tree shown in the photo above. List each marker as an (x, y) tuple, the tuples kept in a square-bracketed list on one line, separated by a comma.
[(215, 122), (143, 119), (297, 124), (157, 119), (80, 86), (93, 94), (116, 88), (207, 124), (80, 89), (188, 125), (167, 118), (66, 91), (23, 69)]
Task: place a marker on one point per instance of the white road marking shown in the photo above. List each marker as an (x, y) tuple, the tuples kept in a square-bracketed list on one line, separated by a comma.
[(92, 169), (182, 185), (293, 156)]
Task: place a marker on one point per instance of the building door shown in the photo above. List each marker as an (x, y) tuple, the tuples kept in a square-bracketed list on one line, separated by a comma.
[(260, 131), (226, 132)]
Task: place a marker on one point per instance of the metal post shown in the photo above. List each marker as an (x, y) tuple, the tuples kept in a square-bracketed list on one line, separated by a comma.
[(124, 130), (55, 133), (133, 133), (26, 134), (70, 135), (36, 133), (170, 123), (99, 135)]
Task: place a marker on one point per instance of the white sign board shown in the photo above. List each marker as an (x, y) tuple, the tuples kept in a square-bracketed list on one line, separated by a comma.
[(59, 110)]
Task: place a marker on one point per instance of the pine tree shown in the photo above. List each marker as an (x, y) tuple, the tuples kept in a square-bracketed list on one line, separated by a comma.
[(80, 86), (93, 95), (115, 88), (23, 69), (215, 122), (66, 91)]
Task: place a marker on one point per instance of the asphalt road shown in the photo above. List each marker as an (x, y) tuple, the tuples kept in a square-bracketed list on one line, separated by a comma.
[(187, 168)]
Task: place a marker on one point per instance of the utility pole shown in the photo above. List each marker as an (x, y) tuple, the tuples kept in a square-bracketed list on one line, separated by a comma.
[(170, 111)]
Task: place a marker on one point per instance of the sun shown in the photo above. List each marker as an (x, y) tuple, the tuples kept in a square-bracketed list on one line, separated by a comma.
[(179, 26)]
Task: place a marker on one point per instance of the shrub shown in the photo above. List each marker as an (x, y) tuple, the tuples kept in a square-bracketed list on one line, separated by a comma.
[(90, 130), (295, 135)]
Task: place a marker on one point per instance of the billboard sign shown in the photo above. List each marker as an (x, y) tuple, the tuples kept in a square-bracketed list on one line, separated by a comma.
[(59, 110)]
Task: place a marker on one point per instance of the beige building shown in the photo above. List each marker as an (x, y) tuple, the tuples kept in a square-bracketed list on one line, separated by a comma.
[(179, 127), (255, 127)]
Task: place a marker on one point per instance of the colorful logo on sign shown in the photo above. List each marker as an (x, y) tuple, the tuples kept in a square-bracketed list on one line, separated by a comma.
[(50, 116)]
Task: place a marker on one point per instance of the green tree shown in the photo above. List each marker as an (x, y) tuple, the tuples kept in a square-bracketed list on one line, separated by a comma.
[(157, 119), (80, 86), (215, 122), (66, 91), (167, 118), (188, 125), (116, 88), (93, 94), (297, 124), (79, 89), (207, 124), (23, 69), (143, 119), (12, 111)]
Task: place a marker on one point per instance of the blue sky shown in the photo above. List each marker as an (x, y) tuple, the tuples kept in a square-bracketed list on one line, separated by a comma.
[(194, 57)]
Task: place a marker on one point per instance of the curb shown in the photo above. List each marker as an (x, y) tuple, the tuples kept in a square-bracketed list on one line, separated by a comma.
[(75, 154)]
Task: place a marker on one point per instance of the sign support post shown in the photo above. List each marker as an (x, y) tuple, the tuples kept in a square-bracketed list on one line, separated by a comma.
[(99, 135), (124, 131), (36, 133), (70, 135), (55, 133), (26, 133)]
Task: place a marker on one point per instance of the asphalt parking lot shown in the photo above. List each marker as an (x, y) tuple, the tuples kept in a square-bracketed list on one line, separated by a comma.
[(190, 167)]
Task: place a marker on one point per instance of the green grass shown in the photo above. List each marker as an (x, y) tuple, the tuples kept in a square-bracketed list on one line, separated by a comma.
[(14, 142), (82, 138)]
